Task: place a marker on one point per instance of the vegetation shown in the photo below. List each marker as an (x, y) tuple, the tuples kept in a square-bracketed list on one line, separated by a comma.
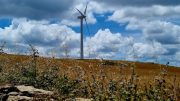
[(125, 83)]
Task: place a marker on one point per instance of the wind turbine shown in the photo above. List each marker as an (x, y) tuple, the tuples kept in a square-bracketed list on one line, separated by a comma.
[(82, 17)]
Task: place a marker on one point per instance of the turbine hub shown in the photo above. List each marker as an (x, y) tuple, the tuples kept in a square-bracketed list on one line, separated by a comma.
[(81, 17)]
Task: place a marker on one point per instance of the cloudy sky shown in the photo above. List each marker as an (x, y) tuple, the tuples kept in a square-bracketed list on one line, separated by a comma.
[(139, 30)]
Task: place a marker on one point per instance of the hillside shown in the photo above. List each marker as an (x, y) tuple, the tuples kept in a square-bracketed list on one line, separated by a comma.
[(113, 68), (87, 72)]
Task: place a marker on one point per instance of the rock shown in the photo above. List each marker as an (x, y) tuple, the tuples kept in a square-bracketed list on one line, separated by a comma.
[(78, 99), (19, 98), (82, 99), (8, 88), (33, 90), (24, 93), (13, 93)]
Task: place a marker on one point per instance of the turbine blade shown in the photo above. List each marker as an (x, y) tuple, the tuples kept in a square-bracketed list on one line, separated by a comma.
[(87, 26), (85, 9), (80, 12)]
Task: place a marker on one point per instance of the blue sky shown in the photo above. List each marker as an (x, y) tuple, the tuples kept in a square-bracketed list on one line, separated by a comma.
[(136, 30), (5, 23), (102, 23)]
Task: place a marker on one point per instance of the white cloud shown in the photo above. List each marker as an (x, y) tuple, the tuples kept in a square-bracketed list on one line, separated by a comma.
[(177, 56), (41, 34), (55, 39), (48, 38), (93, 7), (154, 24), (125, 14), (161, 31), (107, 44), (143, 50)]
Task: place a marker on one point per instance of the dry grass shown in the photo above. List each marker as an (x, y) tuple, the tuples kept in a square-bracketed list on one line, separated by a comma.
[(116, 69), (101, 78)]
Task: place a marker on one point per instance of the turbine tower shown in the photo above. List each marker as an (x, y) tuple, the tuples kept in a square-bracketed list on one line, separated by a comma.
[(82, 17)]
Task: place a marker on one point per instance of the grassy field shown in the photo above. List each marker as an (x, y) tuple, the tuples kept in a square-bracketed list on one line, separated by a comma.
[(93, 78), (112, 69)]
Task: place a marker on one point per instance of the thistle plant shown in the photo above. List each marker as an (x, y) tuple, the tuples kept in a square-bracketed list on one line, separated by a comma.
[(34, 54)]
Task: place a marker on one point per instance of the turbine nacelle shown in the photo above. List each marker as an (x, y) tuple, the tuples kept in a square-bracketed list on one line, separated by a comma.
[(81, 17)]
